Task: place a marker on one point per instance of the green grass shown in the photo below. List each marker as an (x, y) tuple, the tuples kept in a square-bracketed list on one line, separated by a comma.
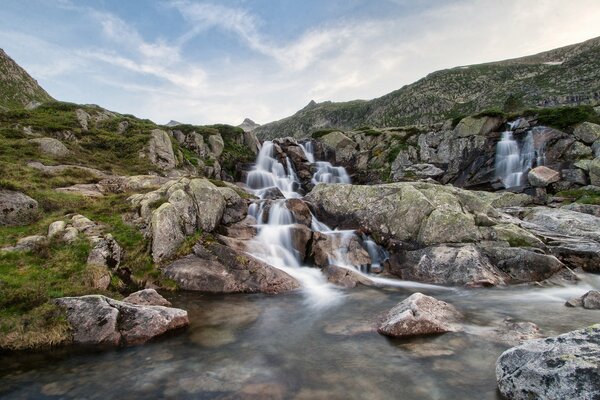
[(564, 117), (322, 132), (582, 196)]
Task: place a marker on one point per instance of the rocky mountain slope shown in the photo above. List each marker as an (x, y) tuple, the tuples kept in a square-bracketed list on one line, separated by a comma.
[(17, 88), (565, 76)]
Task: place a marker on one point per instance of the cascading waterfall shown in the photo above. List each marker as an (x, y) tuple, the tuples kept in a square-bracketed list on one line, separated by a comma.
[(325, 173), (513, 162)]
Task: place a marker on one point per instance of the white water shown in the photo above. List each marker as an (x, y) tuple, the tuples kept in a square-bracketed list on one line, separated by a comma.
[(512, 162), (274, 242)]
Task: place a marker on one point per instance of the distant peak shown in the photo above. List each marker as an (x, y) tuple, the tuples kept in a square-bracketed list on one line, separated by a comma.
[(248, 125), (248, 121), (311, 104), (174, 123)]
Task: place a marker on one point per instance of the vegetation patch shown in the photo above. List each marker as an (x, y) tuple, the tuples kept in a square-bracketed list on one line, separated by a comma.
[(583, 196), (564, 117), (322, 132)]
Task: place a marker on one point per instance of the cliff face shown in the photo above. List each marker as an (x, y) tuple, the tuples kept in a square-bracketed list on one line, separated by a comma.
[(565, 76), (17, 87)]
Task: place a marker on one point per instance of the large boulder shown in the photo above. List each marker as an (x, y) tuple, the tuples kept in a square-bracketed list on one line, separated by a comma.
[(594, 170), (338, 247), (215, 268), (542, 176), (160, 150), (590, 301), (523, 264), (343, 145), (472, 126), (99, 320), (17, 208), (166, 230), (50, 146), (587, 132), (566, 222), (556, 368), (419, 315), (449, 265), (216, 144)]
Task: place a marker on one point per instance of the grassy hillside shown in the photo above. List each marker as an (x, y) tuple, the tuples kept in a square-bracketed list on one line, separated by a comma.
[(17, 87)]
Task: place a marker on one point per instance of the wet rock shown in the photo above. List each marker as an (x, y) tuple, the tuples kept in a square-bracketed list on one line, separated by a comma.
[(51, 146), (301, 239), (523, 264), (419, 315), (300, 211), (542, 176), (17, 209), (562, 367), (99, 320), (350, 327), (326, 246), (449, 265), (590, 301), (213, 337), (272, 193), (147, 297), (160, 150), (216, 268), (513, 332), (345, 277)]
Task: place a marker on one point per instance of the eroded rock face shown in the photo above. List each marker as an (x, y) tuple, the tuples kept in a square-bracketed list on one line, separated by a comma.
[(17, 208), (215, 268), (449, 265), (160, 150), (99, 320), (419, 315), (562, 367)]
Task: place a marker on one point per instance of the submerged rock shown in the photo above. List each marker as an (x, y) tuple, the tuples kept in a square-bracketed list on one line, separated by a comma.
[(99, 320), (216, 268), (419, 315), (557, 368)]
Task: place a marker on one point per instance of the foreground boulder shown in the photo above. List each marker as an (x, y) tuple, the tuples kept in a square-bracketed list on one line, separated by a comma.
[(99, 320), (542, 176), (419, 315), (215, 268), (17, 208), (590, 301), (562, 367)]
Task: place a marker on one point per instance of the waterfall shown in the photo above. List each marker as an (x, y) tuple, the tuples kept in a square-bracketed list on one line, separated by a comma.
[(512, 162), (325, 173)]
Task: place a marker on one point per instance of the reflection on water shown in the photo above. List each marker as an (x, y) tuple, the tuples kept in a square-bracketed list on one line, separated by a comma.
[(257, 346)]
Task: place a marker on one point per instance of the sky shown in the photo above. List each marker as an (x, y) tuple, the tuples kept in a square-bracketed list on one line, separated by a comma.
[(205, 62)]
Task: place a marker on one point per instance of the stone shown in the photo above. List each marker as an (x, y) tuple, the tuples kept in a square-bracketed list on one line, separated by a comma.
[(594, 169), (210, 203), (301, 236), (424, 170), (214, 268), (516, 236), (60, 169), (542, 176), (575, 175), (235, 207), (587, 132), (27, 243), (82, 118), (556, 368), (590, 209), (344, 146), (590, 301), (50, 146), (332, 245), (252, 142), (216, 144), (57, 228), (449, 265), (512, 332), (70, 235), (92, 190), (147, 297), (419, 315), (300, 211), (472, 126), (578, 151), (99, 320), (345, 277), (160, 150), (565, 222), (17, 209), (523, 264), (167, 233), (105, 252)]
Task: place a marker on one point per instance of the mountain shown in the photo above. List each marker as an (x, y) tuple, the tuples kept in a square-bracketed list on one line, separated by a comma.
[(17, 88), (565, 76), (248, 125)]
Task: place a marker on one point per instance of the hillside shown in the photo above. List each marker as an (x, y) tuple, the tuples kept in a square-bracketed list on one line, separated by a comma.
[(17, 87), (565, 76)]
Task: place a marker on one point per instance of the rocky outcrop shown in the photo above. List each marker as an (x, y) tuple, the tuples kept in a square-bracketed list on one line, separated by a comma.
[(587, 132), (50, 146), (99, 320), (17, 208), (160, 150), (214, 268), (562, 367), (419, 315)]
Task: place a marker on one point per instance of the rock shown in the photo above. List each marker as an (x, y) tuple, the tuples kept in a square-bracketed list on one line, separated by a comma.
[(565, 222), (472, 126), (587, 132), (209, 201), (92, 190), (147, 297), (328, 247), (215, 268), (516, 236), (301, 239), (216, 144), (84, 225), (419, 315), (272, 193), (99, 320), (522, 264), (17, 209), (235, 207), (504, 199), (51, 146), (590, 209), (82, 118), (122, 127), (446, 265), (57, 228), (252, 142), (345, 277), (590, 301), (344, 146), (575, 175), (27, 243), (513, 333), (594, 168), (424, 170), (105, 252), (60, 169), (124, 184), (167, 233), (542, 176), (578, 151), (300, 211), (562, 367), (70, 235), (160, 150)]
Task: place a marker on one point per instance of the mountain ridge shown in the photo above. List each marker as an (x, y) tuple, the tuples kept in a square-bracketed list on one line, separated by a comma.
[(18, 89)]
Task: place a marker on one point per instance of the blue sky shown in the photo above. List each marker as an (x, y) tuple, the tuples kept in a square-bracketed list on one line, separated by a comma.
[(204, 62)]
